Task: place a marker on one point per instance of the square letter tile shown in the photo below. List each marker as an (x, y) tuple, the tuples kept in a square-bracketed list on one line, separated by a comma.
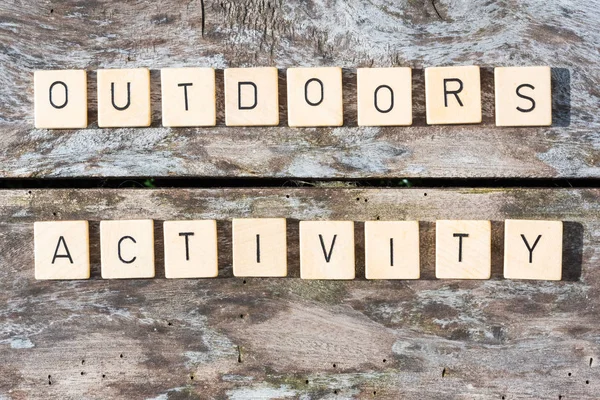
[(453, 95), (533, 249), (191, 249), (327, 250), (259, 247), (251, 96), (315, 97), (463, 249), (123, 98), (127, 249), (384, 96), (60, 99), (523, 96), (62, 250), (188, 96), (392, 250)]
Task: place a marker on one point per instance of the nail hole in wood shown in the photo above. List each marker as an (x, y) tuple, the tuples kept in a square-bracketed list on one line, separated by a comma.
[(307, 382), (287, 196), (121, 355), (569, 374), (384, 360), (334, 366), (82, 362), (591, 361), (443, 372), (103, 376), (51, 10), (587, 382), (424, 194), (169, 324), (82, 373), (244, 281), (358, 199), (241, 315), (335, 391), (192, 377)]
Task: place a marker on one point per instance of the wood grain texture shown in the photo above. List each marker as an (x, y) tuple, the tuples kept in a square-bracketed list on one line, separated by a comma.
[(241, 33), (273, 338)]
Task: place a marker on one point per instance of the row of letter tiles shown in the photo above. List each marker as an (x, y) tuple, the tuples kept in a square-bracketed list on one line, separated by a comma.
[(314, 97), (532, 249)]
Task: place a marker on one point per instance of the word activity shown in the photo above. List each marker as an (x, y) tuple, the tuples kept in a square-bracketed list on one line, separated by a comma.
[(523, 97), (532, 249)]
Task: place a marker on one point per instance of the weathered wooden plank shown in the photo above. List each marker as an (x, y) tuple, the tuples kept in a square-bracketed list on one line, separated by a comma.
[(105, 33), (288, 338)]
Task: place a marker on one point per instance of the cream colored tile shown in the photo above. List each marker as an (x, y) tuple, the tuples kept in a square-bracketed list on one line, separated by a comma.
[(315, 97), (533, 249), (191, 249), (384, 96), (251, 96), (327, 250), (60, 99), (127, 249), (453, 95), (259, 247), (62, 250), (463, 249), (188, 97), (392, 250), (523, 96), (123, 98)]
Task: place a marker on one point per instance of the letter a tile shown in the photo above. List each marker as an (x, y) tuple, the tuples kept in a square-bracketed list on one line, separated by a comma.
[(463, 249), (523, 96), (62, 250), (127, 249), (251, 96), (259, 247), (123, 98), (191, 249), (392, 250), (60, 99), (533, 249), (315, 96), (453, 95), (327, 250), (188, 96)]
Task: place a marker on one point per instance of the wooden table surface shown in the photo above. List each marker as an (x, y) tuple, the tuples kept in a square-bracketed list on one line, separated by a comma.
[(233, 338)]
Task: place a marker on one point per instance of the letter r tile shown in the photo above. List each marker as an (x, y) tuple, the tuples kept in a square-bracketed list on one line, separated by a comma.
[(251, 96), (533, 249), (191, 249), (463, 249), (62, 250), (453, 95), (327, 250), (127, 249)]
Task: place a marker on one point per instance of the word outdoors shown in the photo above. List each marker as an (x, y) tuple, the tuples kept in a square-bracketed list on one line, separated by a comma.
[(314, 97), (532, 249)]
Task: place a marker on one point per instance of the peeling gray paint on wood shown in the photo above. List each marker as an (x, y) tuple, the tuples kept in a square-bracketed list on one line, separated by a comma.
[(273, 338), (350, 34)]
